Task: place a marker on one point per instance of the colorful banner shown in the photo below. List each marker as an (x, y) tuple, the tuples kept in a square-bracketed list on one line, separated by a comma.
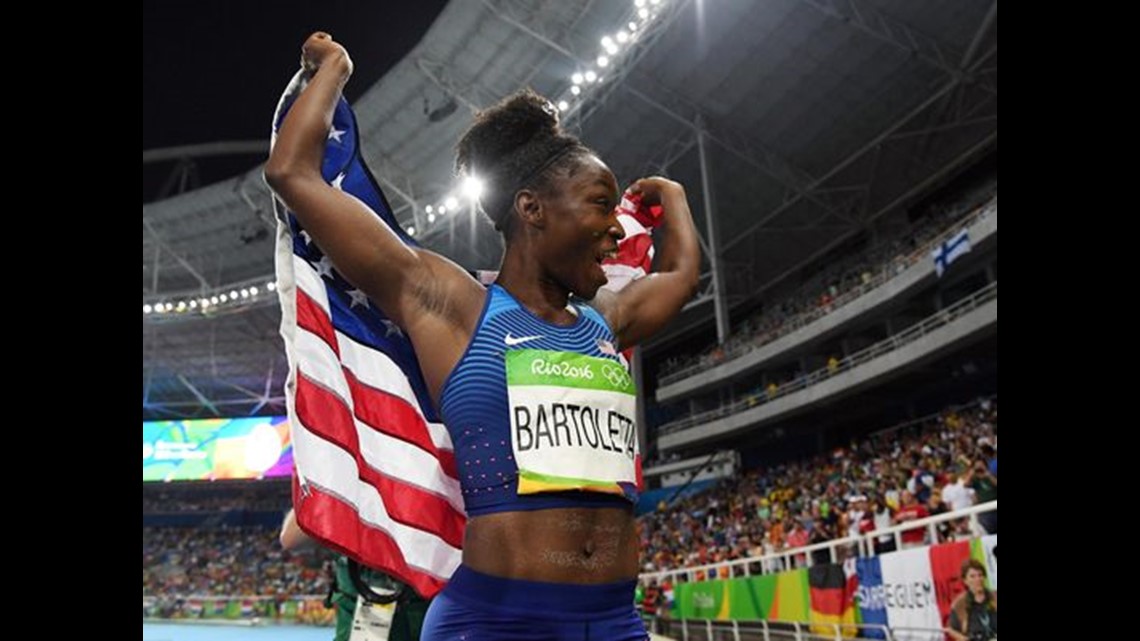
[(791, 602), (871, 596), (782, 597), (765, 589), (314, 612), (985, 550), (946, 568), (909, 588), (214, 449), (310, 610), (832, 596), (701, 600)]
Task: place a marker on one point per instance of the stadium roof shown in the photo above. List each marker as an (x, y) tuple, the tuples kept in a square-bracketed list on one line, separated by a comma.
[(813, 118)]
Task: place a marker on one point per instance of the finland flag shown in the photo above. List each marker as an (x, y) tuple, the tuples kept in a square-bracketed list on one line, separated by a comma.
[(950, 250)]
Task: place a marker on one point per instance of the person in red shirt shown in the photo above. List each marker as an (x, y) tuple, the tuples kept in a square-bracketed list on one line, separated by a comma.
[(911, 510), (798, 537)]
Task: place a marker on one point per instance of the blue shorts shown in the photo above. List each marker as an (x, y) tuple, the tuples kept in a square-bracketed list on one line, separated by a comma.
[(479, 607)]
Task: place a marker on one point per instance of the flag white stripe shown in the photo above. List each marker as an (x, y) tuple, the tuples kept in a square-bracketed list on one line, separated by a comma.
[(309, 281), (328, 466), (317, 362), (378, 370), (372, 367), (388, 455)]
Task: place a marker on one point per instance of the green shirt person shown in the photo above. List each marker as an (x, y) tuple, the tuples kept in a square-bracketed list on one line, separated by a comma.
[(408, 617)]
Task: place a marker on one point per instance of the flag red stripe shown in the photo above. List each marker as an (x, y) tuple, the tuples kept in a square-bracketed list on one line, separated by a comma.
[(396, 417), (323, 517), (384, 412), (326, 415), (827, 601), (312, 317)]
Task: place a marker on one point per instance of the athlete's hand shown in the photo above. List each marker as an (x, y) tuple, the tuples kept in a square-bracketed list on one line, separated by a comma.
[(654, 189), (320, 49)]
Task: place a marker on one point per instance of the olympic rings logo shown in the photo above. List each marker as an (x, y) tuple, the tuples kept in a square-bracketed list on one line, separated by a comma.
[(617, 376)]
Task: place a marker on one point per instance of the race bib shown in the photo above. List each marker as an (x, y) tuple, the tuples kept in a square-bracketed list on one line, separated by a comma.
[(572, 422), (371, 621)]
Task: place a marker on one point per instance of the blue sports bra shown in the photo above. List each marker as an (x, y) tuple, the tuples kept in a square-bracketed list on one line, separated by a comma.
[(541, 415)]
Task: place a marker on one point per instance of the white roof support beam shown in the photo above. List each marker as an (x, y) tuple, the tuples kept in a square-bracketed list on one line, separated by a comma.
[(869, 20), (766, 161), (175, 255)]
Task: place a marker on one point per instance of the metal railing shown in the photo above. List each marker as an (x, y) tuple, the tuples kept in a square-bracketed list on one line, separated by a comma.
[(862, 545), (891, 343), (761, 630)]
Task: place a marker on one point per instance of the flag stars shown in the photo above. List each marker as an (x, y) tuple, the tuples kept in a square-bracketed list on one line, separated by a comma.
[(336, 182), (335, 134), (358, 298), (391, 328), (324, 267)]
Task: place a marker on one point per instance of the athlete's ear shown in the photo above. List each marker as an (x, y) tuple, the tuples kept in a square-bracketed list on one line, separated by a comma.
[(528, 207)]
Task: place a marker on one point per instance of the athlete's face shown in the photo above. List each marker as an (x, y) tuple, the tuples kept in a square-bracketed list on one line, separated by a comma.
[(582, 228)]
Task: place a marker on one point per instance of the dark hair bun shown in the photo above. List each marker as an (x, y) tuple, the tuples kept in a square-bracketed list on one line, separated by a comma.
[(500, 132), (510, 146)]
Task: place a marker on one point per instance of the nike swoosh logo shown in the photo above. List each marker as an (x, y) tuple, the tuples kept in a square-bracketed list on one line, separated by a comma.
[(512, 341)]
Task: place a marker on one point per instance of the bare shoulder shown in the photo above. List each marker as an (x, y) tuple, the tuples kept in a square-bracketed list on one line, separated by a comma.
[(441, 307), (606, 302)]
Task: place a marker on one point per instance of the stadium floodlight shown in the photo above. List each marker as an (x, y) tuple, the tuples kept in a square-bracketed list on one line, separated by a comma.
[(472, 187)]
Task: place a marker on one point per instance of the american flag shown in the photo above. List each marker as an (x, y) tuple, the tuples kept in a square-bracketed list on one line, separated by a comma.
[(635, 251), (375, 469)]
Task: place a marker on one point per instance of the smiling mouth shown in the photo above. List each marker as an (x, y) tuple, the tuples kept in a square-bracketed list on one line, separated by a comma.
[(607, 255)]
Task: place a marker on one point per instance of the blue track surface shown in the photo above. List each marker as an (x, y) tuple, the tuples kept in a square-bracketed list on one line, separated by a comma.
[(190, 632)]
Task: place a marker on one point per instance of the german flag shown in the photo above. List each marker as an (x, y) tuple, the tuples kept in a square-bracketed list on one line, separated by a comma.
[(832, 599)]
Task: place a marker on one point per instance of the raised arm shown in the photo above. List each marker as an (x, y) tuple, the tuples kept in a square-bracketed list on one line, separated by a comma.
[(431, 298), (646, 305), (363, 249)]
